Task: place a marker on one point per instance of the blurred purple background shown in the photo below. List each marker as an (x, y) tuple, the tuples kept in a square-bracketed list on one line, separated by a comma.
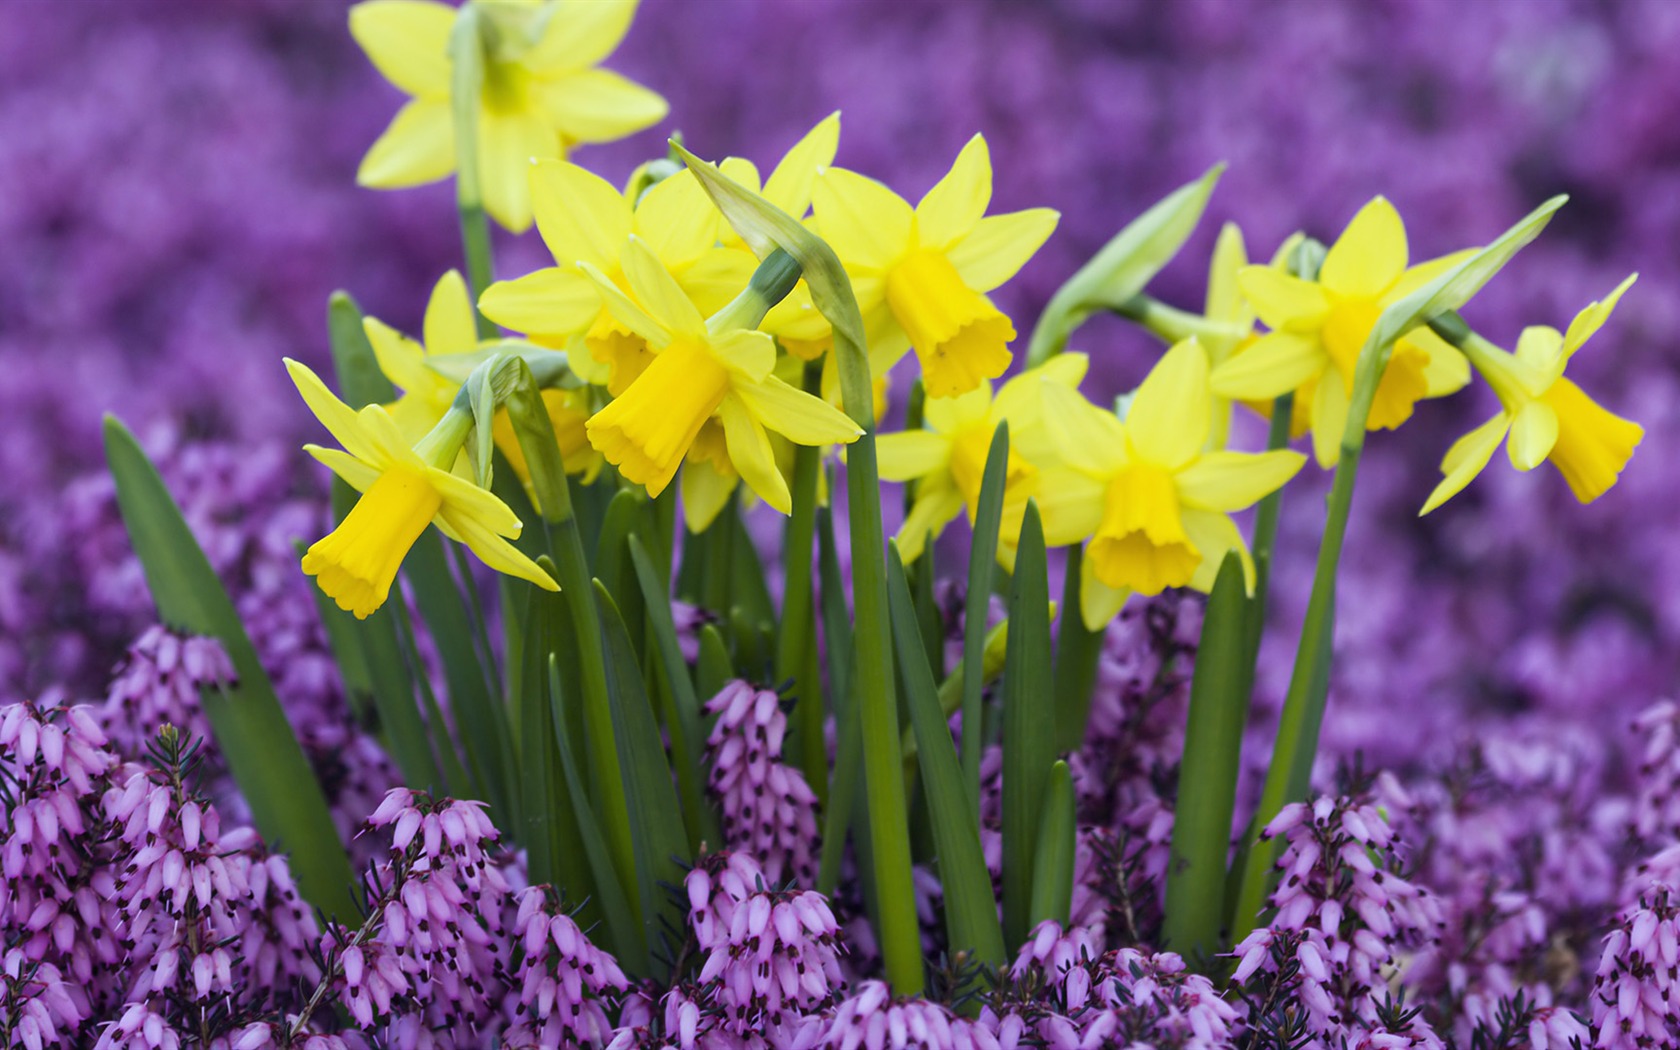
[(177, 200)]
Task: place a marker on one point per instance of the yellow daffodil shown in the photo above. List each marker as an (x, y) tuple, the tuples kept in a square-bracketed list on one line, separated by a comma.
[(1153, 502), (699, 370), (404, 488), (448, 328), (920, 274), (1318, 328), (542, 93), (1545, 415), (585, 220), (948, 459)]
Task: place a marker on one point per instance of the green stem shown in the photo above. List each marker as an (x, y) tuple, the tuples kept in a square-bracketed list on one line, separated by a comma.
[(466, 47), (1173, 325), (1290, 773), (1266, 525), (796, 636)]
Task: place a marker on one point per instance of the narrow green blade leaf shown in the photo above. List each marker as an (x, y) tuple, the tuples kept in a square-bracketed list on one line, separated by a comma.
[(1124, 266), (287, 804), (971, 916), (982, 562), (1078, 651), (1053, 867), (656, 825), (359, 378), (1207, 778), (1027, 741), (683, 719), (715, 669), (623, 932)]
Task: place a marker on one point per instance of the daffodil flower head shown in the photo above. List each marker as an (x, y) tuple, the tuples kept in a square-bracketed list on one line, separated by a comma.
[(585, 219), (920, 274), (448, 328), (1153, 502), (700, 369), (542, 92), (1543, 414), (404, 488), (1318, 328), (947, 458)]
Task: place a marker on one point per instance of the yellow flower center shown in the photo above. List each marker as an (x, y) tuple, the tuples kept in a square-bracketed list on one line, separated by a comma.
[(1345, 330), (648, 429), (356, 562), (507, 88), (711, 447), (959, 336), (1140, 544), (968, 467)]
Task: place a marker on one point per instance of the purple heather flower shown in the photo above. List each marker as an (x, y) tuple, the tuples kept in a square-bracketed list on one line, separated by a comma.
[(1636, 995), (38, 1008), (769, 811), (871, 1019), (158, 684), (563, 978)]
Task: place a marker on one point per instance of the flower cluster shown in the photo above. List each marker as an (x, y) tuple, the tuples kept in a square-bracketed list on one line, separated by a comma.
[(1344, 914), (769, 811), (1634, 994), (564, 979), (158, 684)]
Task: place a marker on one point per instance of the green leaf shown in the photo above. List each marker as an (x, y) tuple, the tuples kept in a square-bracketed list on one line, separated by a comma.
[(683, 719), (715, 670), (1207, 778), (796, 630), (549, 831), (1078, 651), (1124, 266), (287, 804), (1027, 733), (977, 603), (354, 362), (1052, 896), (971, 917), (656, 826), (453, 774), (624, 934)]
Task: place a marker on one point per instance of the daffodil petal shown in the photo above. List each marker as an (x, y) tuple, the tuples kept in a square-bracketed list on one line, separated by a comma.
[(1540, 356), (1329, 419), (339, 418), (1592, 318), (1272, 366), (750, 451), (752, 355), (705, 492), (549, 302), (910, 454), (1214, 535), (950, 414), (866, 224), (1170, 415), (418, 147), (507, 143), (408, 42), (356, 474), (1534, 430), (658, 291), (677, 220), (1594, 444), (1070, 503), (598, 105), (579, 214), (789, 186), (1422, 274), (494, 550), (936, 506), (1369, 256), (581, 33), (382, 432), (1088, 438), (1224, 297), (1099, 603), (449, 326), (1283, 300), (1227, 481), (1446, 370), (957, 202), (999, 245), (1467, 457), (625, 310), (401, 359), (802, 418)]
